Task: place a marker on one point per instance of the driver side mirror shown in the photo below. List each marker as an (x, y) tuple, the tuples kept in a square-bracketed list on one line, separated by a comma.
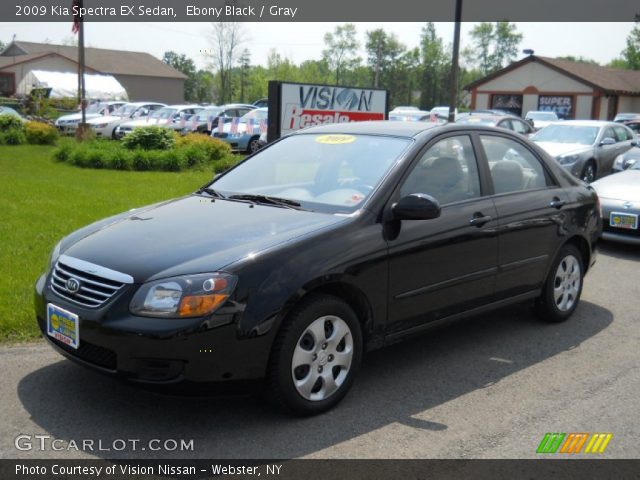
[(607, 141), (417, 206)]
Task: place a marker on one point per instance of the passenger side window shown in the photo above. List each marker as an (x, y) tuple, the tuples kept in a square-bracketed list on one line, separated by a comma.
[(520, 127), (447, 171), (513, 167), (621, 134)]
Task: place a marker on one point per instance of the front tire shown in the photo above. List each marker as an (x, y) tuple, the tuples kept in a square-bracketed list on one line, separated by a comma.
[(253, 145), (315, 357), (589, 172), (563, 287)]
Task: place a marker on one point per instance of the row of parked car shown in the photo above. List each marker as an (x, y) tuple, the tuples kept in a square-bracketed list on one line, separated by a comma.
[(239, 125)]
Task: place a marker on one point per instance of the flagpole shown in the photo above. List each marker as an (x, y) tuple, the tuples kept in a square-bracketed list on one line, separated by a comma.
[(83, 100)]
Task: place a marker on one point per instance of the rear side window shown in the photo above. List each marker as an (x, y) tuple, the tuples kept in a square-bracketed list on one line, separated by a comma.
[(447, 171), (513, 167), (608, 133)]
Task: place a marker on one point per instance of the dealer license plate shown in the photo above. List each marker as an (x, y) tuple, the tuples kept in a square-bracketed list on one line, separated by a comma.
[(623, 220), (63, 325)]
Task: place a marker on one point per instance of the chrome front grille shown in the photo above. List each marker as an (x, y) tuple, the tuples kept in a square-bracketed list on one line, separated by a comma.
[(85, 283)]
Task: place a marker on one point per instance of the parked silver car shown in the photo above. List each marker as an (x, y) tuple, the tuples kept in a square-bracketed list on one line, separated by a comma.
[(586, 148), (620, 202)]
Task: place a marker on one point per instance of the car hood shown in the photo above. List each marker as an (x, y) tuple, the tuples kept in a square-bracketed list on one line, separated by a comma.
[(557, 149), (191, 235), (143, 122), (77, 116), (620, 186), (104, 119)]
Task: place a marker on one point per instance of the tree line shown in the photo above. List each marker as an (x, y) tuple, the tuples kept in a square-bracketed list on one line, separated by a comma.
[(417, 75)]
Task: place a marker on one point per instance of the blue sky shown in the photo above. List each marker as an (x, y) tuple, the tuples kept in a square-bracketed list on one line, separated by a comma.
[(300, 41)]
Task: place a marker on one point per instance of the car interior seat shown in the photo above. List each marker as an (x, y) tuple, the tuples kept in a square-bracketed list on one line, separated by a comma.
[(507, 176)]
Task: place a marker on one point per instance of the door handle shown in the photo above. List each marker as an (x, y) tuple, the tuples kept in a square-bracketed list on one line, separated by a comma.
[(557, 203), (479, 220)]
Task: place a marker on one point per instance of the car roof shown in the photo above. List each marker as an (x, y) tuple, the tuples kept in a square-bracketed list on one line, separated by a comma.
[(193, 105), (373, 127), (585, 123)]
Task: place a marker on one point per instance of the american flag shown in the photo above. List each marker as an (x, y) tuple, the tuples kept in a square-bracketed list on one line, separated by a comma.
[(183, 120), (105, 112), (250, 127), (209, 123), (433, 117), (220, 125), (234, 126), (169, 119), (194, 122), (263, 126)]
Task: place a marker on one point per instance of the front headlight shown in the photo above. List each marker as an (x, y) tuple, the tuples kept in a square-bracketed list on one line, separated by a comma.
[(618, 162), (55, 253), (568, 159), (183, 297)]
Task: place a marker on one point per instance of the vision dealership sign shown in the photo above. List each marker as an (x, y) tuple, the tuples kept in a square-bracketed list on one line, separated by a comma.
[(293, 106)]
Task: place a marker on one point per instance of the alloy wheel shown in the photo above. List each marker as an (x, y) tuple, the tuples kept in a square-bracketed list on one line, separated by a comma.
[(322, 358), (566, 284)]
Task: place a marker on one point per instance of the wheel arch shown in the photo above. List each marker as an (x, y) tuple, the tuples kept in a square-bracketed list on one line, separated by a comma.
[(345, 291)]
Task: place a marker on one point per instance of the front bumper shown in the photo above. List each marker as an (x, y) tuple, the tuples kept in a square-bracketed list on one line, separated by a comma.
[(615, 234), (158, 351)]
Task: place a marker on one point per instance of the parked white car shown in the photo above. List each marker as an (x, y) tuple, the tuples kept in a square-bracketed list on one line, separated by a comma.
[(105, 126), (162, 118), (68, 123), (540, 119)]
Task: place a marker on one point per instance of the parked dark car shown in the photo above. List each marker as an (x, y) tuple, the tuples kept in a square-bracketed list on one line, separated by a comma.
[(510, 122), (327, 243)]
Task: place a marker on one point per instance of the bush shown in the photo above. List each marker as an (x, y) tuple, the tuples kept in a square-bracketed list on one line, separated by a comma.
[(150, 138), (213, 148), (38, 133), (194, 153), (8, 121), (13, 136)]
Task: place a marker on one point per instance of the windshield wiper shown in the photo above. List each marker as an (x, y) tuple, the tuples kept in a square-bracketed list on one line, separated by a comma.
[(210, 191), (265, 199)]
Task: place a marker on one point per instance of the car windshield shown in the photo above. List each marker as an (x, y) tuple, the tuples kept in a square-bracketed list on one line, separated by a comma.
[(165, 112), (544, 116), (258, 114), (203, 115), (332, 173), (125, 111), (95, 107), (581, 134)]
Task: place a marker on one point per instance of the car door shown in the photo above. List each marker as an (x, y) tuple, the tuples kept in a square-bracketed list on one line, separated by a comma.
[(606, 154), (446, 265), (530, 205)]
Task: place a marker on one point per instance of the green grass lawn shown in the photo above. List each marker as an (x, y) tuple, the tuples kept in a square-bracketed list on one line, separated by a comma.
[(41, 201)]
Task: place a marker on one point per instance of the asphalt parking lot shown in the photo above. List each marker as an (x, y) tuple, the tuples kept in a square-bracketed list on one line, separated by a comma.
[(488, 387)]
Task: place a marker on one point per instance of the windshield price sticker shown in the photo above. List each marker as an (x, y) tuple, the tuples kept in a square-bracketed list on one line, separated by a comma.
[(335, 139)]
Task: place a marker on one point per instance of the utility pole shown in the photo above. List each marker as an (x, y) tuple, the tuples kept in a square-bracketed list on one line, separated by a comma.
[(454, 63), (78, 27)]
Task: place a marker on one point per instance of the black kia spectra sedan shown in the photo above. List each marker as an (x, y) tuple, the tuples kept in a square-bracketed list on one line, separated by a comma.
[(330, 242)]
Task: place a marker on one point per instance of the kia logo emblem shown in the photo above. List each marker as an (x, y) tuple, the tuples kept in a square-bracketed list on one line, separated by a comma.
[(73, 285)]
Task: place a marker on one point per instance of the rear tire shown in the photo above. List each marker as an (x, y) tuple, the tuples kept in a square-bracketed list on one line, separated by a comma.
[(315, 356), (562, 288)]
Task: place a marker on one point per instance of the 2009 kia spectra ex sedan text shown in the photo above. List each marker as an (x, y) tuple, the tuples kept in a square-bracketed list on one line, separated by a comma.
[(332, 241)]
